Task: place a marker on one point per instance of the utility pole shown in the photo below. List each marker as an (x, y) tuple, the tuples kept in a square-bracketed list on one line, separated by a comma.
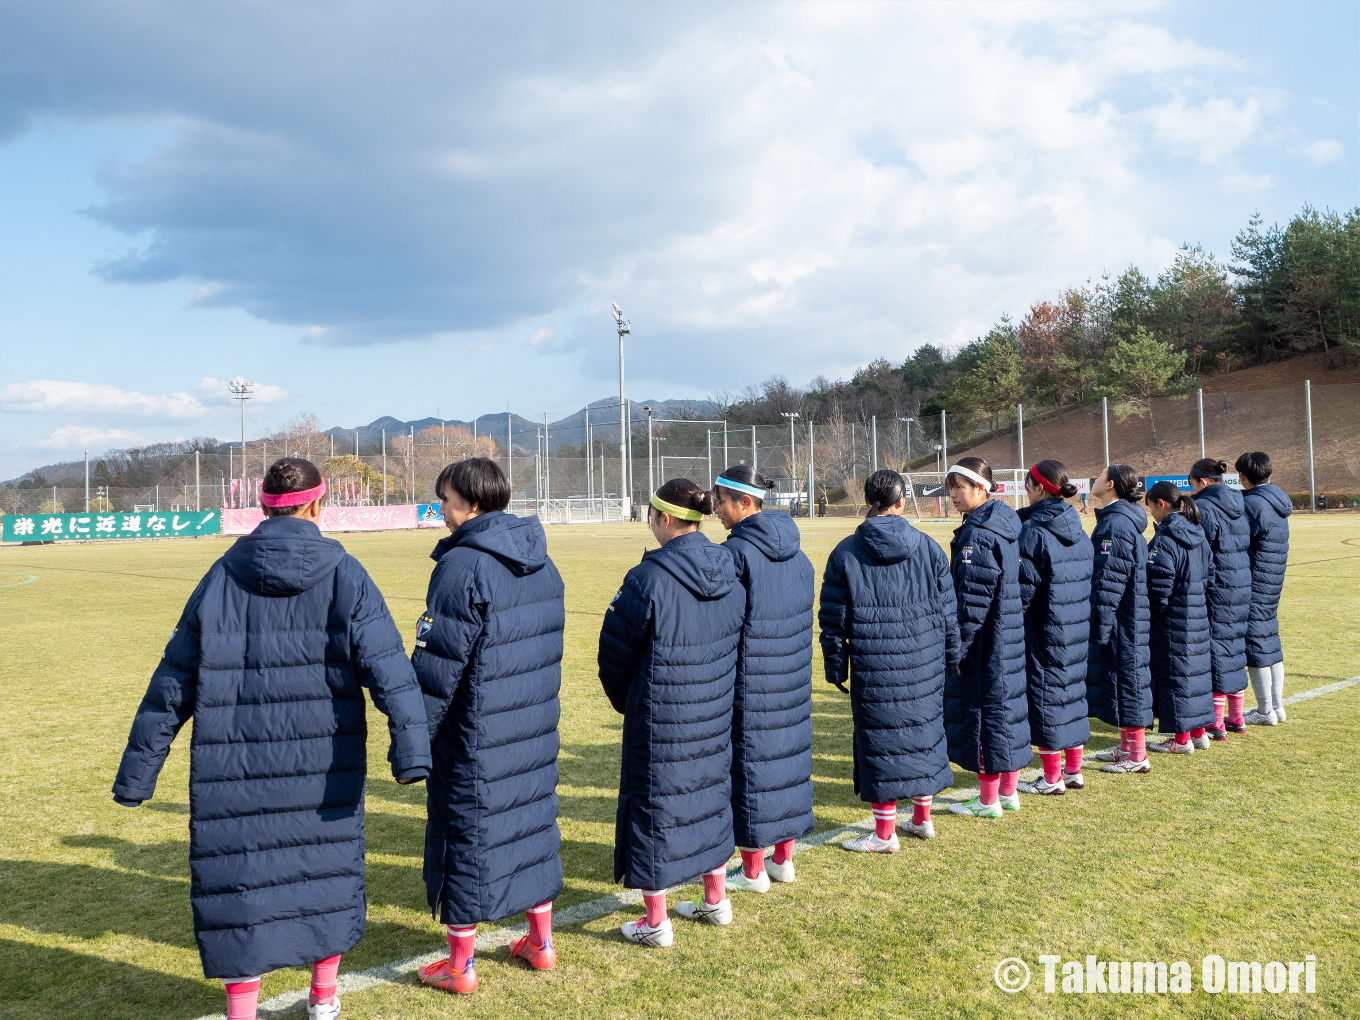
[(412, 477), (590, 464), (873, 441), (1104, 425), (651, 474), (87, 481), (1200, 397), (1308, 408), (510, 453), (547, 464), (793, 467), (384, 465), (621, 324), (755, 449), (198, 482), (1020, 432), (812, 488), (906, 462), (944, 449), (240, 390)]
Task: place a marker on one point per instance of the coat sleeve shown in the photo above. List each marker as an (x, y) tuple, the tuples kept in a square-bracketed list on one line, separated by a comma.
[(949, 608), (975, 586), (1108, 586), (834, 617), (166, 707), (447, 634), (380, 664), (1161, 575), (623, 640), (1034, 567)]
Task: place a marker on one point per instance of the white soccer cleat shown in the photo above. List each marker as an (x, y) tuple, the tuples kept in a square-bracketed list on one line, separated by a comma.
[(1009, 801), (325, 1010), (1279, 714), (1109, 754), (1169, 746), (870, 843), (1255, 717), (1127, 765), (741, 883), (1073, 780), (976, 809), (643, 934), (926, 830), (1043, 787), (1201, 743), (706, 913), (779, 872)]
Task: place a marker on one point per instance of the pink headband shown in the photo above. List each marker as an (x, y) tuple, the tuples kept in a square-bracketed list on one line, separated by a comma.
[(293, 498)]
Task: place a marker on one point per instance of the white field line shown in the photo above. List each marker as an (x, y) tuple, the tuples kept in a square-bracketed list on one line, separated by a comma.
[(580, 913)]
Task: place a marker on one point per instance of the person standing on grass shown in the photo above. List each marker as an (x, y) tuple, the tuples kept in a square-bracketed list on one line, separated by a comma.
[(1268, 508), (668, 664), (1118, 680), (489, 659), (986, 706), (1055, 592), (772, 701), (1180, 573), (270, 659), (1224, 520), (890, 631)]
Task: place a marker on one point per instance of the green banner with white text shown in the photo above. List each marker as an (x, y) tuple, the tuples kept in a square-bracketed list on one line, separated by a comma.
[(91, 526)]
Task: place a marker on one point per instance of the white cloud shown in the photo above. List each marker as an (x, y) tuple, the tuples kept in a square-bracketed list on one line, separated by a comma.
[(1324, 151), (1246, 184), (541, 336), (54, 395), (77, 437), (1211, 131), (220, 389)]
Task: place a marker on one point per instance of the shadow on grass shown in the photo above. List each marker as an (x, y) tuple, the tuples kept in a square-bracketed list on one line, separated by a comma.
[(56, 984), (164, 860)]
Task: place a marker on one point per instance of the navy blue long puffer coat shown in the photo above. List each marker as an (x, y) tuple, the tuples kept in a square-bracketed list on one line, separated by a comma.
[(1224, 520), (889, 627), (270, 659), (772, 703), (668, 663), (986, 706), (489, 659), (1180, 571), (1055, 592), (1268, 509), (1118, 681)]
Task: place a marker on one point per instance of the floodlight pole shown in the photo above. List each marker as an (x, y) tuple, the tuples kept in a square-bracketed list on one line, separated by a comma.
[(87, 481), (1308, 408), (198, 484), (547, 465), (651, 473), (384, 465), (793, 468), (1105, 426), (510, 453), (812, 495), (1200, 396), (873, 441), (908, 460), (1020, 432), (241, 391), (625, 491)]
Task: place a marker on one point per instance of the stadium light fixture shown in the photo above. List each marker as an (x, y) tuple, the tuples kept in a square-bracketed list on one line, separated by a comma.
[(240, 389), (625, 486)]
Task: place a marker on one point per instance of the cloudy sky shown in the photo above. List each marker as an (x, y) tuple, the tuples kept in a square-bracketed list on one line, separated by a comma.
[(427, 208)]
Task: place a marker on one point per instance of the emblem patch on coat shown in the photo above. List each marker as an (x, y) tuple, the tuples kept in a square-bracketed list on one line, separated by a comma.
[(968, 554), (1105, 544), (423, 626)]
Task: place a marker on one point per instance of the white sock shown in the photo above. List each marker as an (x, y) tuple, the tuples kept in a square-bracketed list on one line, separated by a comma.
[(1260, 686), (1277, 683)]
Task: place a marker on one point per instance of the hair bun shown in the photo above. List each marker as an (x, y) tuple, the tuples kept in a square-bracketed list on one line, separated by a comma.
[(1222, 467), (1069, 490), (702, 500)]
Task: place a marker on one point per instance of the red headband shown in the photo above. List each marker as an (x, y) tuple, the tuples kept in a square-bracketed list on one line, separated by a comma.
[(1044, 483), (293, 498)]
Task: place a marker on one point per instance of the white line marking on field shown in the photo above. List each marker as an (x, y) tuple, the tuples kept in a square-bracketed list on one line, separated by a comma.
[(27, 578), (580, 913)]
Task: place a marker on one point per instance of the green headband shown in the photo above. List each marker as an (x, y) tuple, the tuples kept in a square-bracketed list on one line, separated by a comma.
[(679, 512)]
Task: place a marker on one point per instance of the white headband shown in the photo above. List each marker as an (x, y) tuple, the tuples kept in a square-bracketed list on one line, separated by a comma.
[(750, 490), (969, 473)]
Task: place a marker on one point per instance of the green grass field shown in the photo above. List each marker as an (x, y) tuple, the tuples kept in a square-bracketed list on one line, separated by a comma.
[(1251, 851)]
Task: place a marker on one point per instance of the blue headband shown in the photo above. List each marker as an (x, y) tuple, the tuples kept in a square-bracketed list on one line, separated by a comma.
[(750, 490)]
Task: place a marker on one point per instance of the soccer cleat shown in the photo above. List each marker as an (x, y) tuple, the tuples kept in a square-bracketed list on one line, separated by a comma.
[(705, 912), (779, 872), (542, 957), (871, 844), (1279, 714), (1044, 787), (1258, 718), (1009, 801), (643, 934), (442, 976), (325, 1010), (1202, 742), (926, 830), (1169, 746), (1073, 780), (1126, 765), (741, 883), (976, 809), (1235, 727), (1214, 733), (1109, 754)]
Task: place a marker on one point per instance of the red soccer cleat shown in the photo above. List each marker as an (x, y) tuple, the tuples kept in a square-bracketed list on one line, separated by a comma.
[(542, 957), (440, 975)]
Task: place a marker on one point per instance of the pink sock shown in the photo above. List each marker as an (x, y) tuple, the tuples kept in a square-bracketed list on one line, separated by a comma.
[(1009, 780), (243, 997), (1073, 763), (1235, 708), (540, 924), (920, 809), (715, 885), (1220, 701), (988, 787), (462, 941), (325, 975), (1183, 738), (1126, 738), (885, 818), (655, 901), (1052, 765), (783, 851), (753, 862), (1197, 732), (1138, 743)]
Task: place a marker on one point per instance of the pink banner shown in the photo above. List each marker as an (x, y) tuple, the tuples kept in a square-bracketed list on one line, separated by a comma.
[(333, 518)]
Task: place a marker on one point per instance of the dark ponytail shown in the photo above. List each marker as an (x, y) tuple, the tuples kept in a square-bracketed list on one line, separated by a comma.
[(1179, 502), (1055, 473), (883, 489), (1126, 484), (285, 475), (684, 493), (1209, 470), (747, 475)]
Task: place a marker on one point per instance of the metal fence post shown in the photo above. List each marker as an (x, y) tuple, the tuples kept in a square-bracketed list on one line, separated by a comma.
[(1105, 425), (812, 485), (754, 449), (198, 485), (1020, 431), (1308, 408), (944, 446), (384, 465), (1200, 393), (87, 481), (873, 441)]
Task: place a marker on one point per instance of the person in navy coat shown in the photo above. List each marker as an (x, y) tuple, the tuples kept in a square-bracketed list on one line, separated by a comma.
[(986, 706), (1118, 680), (890, 630), (1224, 520), (489, 659), (668, 664), (1055, 593), (772, 701), (1180, 571), (1268, 508), (271, 658)]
